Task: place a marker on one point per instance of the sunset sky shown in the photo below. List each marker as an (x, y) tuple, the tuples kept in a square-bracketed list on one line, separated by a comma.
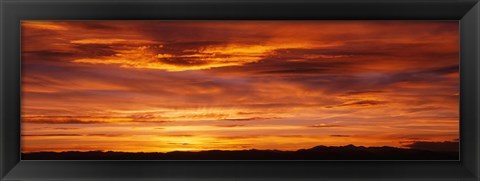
[(159, 86)]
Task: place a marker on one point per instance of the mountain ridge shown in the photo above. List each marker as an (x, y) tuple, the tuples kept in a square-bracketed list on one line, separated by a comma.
[(320, 152)]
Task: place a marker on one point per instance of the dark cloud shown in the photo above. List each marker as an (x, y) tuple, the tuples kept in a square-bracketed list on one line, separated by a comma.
[(360, 92), (296, 71), (322, 53), (177, 31), (443, 70), (363, 103), (40, 55), (427, 76), (435, 146), (280, 65), (340, 135), (375, 49), (95, 25), (94, 50), (423, 108)]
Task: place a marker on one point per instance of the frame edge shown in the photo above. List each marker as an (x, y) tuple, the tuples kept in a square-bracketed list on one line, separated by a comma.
[(469, 46), (2, 138)]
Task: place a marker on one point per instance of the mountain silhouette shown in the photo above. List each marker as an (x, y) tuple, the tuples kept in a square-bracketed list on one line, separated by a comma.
[(348, 152)]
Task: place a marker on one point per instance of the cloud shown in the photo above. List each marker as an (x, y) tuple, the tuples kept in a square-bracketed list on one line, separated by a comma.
[(360, 92), (94, 25), (74, 120), (435, 146), (427, 75), (52, 135), (230, 125), (180, 135), (52, 55), (107, 41), (340, 135), (238, 137), (93, 50), (44, 25), (325, 126), (69, 135), (423, 108), (66, 128), (62, 121), (168, 57), (183, 144), (363, 103), (249, 119), (358, 102)]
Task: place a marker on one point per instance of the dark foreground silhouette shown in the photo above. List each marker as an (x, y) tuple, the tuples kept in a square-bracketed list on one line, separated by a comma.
[(349, 152)]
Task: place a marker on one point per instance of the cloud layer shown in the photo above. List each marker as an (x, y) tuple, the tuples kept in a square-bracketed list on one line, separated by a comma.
[(229, 85)]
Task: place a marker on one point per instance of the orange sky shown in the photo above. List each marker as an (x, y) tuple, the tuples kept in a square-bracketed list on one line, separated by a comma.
[(158, 86)]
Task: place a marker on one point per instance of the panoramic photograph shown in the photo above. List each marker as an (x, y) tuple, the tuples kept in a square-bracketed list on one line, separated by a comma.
[(240, 90)]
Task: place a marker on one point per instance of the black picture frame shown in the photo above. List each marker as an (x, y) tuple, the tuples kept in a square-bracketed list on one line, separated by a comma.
[(465, 11)]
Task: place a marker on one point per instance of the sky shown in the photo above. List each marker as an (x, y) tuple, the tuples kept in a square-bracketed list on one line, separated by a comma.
[(160, 86)]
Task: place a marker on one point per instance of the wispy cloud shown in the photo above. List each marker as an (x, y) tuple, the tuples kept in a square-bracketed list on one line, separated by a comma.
[(324, 126)]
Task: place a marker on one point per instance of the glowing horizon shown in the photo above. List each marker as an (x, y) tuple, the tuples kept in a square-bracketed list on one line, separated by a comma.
[(160, 86)]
